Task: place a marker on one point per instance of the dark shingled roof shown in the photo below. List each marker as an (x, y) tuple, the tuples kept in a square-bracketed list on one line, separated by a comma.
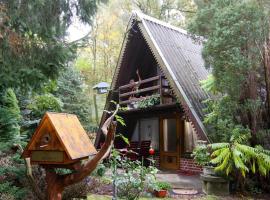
[(183, 64), (180, 59)]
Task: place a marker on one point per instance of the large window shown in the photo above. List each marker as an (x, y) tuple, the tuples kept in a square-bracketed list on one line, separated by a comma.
[(190, 137), (147, 130)]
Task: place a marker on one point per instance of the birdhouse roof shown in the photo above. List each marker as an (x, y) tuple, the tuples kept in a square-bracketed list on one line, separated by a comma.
[(69, 132)]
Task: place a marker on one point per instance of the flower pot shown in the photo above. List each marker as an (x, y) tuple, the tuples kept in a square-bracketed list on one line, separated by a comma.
[(208, 170), (160, 193)]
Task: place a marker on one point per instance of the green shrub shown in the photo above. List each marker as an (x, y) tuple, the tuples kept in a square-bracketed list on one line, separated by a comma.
[(163, 186), (8, 189), (201, 155), (101, 170), (43, 103)]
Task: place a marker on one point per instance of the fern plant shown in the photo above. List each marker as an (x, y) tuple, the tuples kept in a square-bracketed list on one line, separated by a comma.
[(236, 156)]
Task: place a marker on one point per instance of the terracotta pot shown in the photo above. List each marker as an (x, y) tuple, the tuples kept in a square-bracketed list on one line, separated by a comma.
[(161, 193)]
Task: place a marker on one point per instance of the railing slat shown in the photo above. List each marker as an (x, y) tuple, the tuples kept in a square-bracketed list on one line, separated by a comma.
[(140, 82), (140, 91)]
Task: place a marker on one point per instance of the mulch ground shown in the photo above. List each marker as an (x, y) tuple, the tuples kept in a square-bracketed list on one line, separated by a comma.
[(106, 190)]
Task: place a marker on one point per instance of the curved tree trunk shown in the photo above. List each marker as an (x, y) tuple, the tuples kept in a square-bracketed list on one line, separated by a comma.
[(267, 75), (55, 186)]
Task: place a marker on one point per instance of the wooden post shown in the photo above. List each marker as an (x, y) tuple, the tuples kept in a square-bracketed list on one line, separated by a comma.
[(96, 108), (55, 186), (160, 89)]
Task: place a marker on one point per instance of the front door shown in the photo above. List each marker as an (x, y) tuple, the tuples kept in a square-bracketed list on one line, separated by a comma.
[(170, 127)]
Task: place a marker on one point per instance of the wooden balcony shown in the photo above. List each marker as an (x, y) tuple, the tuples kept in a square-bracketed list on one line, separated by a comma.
[(156, 86)]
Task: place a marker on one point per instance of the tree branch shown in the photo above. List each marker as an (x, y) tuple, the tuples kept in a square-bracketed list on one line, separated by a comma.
[(30, 176), (108, 130)]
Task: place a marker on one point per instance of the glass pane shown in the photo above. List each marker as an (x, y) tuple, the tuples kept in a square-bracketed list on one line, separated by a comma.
[(149, 130), (169, 135), (190, 137)]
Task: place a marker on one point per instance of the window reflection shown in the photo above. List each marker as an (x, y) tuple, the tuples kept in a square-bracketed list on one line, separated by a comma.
[(169, 135)]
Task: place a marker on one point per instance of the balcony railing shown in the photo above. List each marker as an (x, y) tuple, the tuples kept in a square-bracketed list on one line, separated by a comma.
[(140, 90)]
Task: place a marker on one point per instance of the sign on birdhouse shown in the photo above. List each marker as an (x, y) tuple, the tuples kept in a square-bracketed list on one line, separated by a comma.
[(59, 139)]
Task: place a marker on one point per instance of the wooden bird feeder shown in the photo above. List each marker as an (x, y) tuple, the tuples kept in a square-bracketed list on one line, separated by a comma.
[(59, 141)]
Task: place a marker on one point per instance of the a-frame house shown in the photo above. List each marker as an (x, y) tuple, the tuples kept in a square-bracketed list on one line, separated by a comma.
[(157, 79)]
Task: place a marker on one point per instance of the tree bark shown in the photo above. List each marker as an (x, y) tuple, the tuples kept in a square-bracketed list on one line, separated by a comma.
[(253, 113), (55, 185), (267, 75)]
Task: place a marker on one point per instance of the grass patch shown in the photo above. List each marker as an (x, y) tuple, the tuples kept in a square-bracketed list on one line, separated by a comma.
[(98, 197)]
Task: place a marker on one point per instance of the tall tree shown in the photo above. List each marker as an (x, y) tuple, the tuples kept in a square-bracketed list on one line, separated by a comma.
[(34, 33), (176, 12), (74, 94), (236, 33)]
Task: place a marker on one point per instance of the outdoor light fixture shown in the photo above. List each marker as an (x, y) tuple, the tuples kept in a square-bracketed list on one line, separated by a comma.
[(101, 87)]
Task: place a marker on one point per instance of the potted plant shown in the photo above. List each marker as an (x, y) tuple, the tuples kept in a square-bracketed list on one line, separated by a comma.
[(161, 189), (202, 157)]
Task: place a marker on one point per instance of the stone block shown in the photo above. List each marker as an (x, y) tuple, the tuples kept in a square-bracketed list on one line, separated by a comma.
[(214, 185)]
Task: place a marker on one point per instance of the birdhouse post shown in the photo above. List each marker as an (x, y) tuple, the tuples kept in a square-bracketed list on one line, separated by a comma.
[(61, 142)]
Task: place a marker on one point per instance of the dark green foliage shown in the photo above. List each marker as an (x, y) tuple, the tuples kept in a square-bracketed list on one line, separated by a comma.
[(33, 32), (9, 116), (222, 119), (44, 103), (236, 32), (232, 33), (74, 94), (7, 188), (100, 170), (12, 173), (33, 53)]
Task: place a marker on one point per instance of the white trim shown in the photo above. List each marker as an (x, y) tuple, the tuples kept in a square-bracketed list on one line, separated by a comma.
[(144, 16)]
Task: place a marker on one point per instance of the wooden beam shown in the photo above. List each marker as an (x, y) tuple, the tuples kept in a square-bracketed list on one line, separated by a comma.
[(140, 91), (140, 82)]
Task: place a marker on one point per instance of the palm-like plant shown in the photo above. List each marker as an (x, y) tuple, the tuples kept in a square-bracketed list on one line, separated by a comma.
[(236, 156)]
